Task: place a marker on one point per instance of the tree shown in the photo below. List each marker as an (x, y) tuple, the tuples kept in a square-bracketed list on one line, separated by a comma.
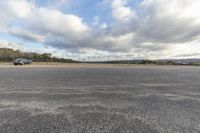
[(7, 54)]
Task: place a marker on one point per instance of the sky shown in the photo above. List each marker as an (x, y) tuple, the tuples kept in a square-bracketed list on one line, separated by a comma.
[(117, 29)]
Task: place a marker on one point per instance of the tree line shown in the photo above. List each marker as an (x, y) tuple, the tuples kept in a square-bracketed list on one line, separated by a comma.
[(7, 55)]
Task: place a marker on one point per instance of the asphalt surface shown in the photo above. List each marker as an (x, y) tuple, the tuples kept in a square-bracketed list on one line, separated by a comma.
[(100, 100)]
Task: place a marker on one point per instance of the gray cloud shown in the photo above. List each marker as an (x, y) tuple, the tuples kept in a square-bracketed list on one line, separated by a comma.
[(26, 35)]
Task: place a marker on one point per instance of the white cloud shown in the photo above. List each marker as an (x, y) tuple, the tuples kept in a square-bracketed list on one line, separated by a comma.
[(56, 23), (20, 8), (120, 11), (11, 9), (12, 45)]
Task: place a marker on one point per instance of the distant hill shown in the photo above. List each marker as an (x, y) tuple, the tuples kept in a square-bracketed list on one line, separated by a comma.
[(181, 61), (7, 55), (157, 62)]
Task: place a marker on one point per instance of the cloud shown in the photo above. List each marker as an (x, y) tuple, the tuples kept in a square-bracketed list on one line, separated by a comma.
[(158, 25), (168, 22), (120, 11), (11, 9), (26, 35), (20, 8), (53, 22), (12, 45), (39, 24), (150, 28)]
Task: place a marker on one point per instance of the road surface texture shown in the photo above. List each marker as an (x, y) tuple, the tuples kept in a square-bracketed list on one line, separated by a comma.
[(158, 99)]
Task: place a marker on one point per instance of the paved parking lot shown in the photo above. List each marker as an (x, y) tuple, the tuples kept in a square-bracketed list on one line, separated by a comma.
[(113, 100)]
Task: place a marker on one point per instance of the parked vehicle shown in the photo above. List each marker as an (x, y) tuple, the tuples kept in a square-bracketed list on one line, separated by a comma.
[(21, 61)]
